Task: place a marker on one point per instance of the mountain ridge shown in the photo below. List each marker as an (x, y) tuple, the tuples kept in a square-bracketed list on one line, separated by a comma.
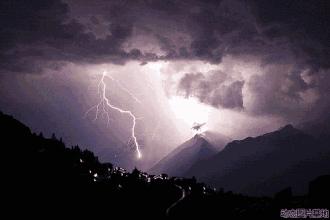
[(178, 161), (246, 165)]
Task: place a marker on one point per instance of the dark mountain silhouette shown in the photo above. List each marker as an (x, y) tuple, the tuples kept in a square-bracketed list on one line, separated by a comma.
[(266, 164), (41, 177), (216, 139), (184, 156)]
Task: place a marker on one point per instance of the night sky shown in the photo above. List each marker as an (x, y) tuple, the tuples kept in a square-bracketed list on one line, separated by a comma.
[(243, 67)]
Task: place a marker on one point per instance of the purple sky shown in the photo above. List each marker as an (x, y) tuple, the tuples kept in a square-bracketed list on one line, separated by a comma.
[(244, 67)]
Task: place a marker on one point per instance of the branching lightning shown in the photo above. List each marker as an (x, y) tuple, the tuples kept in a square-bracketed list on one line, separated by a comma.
[(124, 88), (104, 105)]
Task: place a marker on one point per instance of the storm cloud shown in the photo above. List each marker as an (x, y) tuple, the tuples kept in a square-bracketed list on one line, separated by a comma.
[(214, 89), (38, 33), (262, 60)]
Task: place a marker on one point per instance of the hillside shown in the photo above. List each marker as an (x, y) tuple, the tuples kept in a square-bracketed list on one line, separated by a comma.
[(265, 164), (43, 177)]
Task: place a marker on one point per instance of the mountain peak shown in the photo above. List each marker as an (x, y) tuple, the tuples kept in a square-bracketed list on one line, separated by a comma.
[(177, 162), (288, 127), (199, 137), (277, 158), (216, 139), (289, 130)]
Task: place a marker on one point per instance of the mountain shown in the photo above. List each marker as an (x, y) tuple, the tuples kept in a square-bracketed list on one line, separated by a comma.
[(217, 140), (200, 147), (40, 173), (266, 164)]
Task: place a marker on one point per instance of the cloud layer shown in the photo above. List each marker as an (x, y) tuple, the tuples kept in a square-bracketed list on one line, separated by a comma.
[(41, 33), (262, 60), (213, 89)]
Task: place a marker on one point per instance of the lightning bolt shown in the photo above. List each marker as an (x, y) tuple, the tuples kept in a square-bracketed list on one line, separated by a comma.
[(124, 89), (104, 105)]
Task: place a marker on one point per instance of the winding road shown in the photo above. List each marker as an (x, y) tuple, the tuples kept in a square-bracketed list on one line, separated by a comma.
[(183, 195)]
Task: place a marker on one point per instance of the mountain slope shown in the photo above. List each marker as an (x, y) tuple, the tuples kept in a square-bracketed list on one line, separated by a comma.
[(266, 164), (216, 139), (41, 173), (181, 158)]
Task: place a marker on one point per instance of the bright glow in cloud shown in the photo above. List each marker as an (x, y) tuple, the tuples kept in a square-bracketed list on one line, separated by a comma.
[(189, 110)]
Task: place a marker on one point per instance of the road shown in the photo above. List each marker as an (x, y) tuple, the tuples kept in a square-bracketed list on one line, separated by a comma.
[(183, 195)]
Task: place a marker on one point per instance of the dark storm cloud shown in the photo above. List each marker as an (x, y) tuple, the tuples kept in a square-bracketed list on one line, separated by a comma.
[(214, 89), (289, 37), (46, 34), (304, 23), (296, 92), (278, 92), (34, 31), (38, 32)]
